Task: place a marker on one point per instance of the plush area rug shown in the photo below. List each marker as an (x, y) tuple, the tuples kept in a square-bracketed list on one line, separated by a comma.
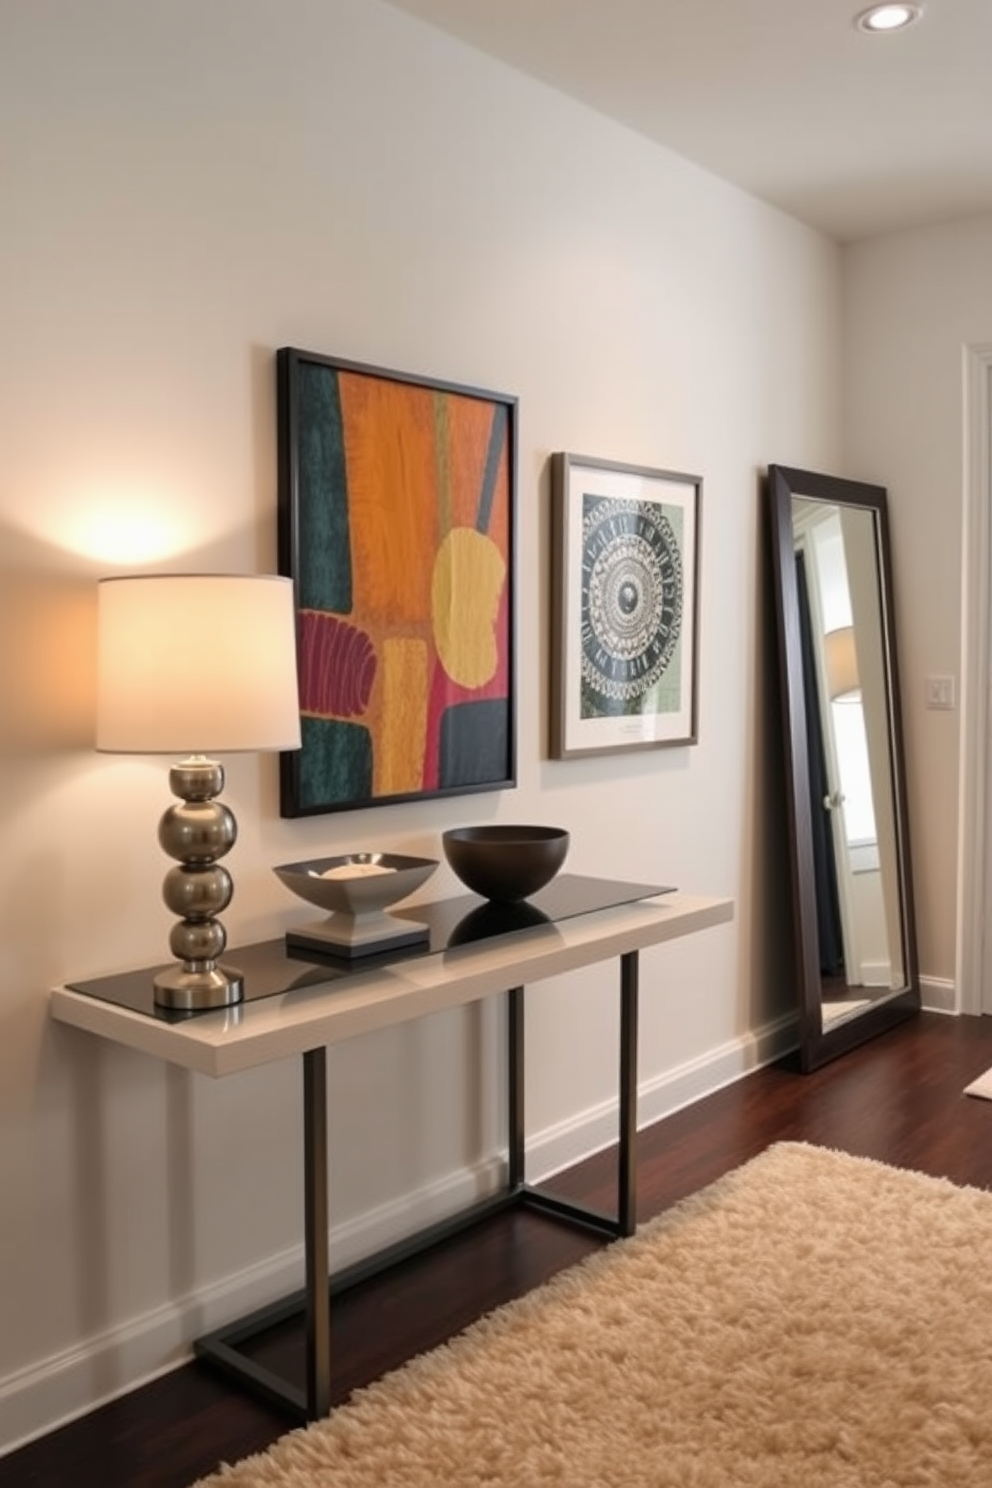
[(813, 1320), (982, 1087)]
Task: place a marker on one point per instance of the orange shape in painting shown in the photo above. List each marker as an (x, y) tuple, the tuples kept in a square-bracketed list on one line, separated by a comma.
[(401, 743), (391, 450), (466, 584)]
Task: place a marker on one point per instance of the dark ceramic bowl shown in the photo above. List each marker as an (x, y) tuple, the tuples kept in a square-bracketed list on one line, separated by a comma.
[(505, 863)]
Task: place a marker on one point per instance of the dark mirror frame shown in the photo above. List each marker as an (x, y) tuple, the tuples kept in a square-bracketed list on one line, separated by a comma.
[(818, 1045)]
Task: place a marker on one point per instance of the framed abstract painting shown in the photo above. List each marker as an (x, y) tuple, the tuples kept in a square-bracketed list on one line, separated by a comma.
[(625, 599), (396, 524)]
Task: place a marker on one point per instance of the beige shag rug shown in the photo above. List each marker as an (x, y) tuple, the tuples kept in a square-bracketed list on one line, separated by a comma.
[(982, 1087), (813, 1320)]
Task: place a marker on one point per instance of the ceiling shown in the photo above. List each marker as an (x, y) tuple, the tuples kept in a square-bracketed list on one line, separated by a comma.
[(855, 135)]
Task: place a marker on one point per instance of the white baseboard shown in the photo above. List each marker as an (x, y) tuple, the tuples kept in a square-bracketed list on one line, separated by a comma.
[(99, 1369), (939, 995), (560, 1146), (111, 1363), (65, 1386)]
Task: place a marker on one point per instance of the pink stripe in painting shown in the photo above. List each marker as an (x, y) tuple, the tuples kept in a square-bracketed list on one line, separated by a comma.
[(337, 666)]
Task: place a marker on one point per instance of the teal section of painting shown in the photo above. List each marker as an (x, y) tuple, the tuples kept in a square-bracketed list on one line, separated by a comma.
[(335, 763), (324, 570)]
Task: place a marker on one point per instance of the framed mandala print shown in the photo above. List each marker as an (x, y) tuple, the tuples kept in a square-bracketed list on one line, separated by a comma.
[(625, 603)]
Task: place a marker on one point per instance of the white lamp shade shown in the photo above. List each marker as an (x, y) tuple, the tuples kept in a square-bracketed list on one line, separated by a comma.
[(841, 661), (196, 664)]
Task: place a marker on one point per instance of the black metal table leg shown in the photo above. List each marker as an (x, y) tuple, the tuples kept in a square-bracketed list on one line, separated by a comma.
[(317, 1285), (624, 1221), (515, 1087), (627, 1156), (226, 1347)]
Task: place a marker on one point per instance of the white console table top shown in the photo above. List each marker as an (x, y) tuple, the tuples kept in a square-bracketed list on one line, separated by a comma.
[(326, 1012)]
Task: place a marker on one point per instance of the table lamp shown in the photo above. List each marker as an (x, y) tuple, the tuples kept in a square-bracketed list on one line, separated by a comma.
[(197, 665)]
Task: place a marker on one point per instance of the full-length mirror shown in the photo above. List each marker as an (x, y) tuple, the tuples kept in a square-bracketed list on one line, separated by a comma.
[(852, 884)]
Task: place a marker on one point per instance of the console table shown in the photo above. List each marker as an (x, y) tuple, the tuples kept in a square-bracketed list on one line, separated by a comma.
[(297, 1007)]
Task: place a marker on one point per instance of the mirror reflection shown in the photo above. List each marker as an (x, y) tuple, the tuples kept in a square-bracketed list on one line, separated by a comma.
[(850, 850), (860, 936)]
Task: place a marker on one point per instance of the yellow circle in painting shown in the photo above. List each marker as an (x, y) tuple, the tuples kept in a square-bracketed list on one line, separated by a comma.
[(467, 582)]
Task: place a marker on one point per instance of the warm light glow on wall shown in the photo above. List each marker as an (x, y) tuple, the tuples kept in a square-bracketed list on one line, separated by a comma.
[(48, 677), (122, 527), (126, 516)]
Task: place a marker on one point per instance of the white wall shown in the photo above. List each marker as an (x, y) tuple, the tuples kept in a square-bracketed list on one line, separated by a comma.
[(187, 187), (913, 302)]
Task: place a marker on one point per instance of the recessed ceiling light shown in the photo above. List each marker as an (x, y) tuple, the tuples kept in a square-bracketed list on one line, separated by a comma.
[(888, 18)]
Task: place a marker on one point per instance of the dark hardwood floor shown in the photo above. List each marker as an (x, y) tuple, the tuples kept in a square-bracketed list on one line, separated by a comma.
[(898, 1099)]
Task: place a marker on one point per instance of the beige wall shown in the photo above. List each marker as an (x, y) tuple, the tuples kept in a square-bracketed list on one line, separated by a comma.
[(913, 303), (186, 188)]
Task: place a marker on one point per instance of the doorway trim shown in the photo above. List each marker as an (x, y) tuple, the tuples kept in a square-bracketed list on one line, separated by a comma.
[(974, 948)]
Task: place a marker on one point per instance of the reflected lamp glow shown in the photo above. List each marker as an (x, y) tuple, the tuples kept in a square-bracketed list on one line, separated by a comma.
[(197, 665), (841, 660)]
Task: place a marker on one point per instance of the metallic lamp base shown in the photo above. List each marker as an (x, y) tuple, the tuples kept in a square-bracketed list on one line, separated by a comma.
[(192, 991), (197, 833)]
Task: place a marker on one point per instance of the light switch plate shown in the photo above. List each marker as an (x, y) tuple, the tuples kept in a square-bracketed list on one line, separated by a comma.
[(940, 692)]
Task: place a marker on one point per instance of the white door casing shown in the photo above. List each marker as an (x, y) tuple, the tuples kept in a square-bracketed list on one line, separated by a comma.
[(974, 872)]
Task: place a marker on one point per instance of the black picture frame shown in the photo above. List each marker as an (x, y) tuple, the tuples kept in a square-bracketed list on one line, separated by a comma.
[(396, 523)]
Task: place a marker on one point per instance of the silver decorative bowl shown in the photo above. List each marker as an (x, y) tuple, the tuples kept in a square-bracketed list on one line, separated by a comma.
[(505, 864), (357, 889)]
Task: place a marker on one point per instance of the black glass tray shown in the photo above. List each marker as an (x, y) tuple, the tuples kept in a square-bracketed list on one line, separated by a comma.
[(271, 968)]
